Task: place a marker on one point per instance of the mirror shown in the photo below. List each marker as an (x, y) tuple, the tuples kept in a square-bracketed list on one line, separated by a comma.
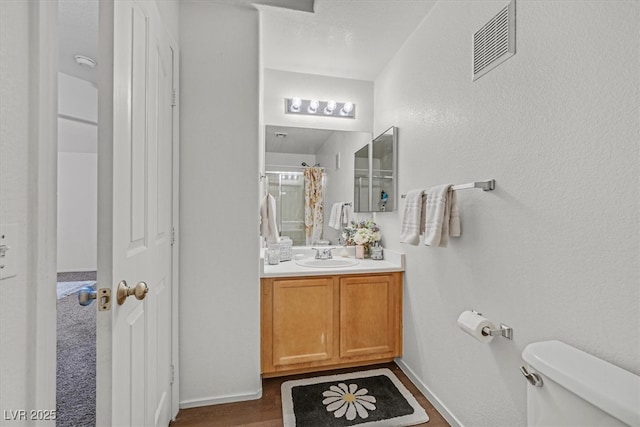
[(287, 151), (375, 171), (361, 195)]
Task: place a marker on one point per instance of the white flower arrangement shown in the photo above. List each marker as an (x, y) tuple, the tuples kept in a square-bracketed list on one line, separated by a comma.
[(364, 232)]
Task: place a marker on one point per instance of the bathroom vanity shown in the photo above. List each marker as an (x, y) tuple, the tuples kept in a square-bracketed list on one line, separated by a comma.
[(318, 318)]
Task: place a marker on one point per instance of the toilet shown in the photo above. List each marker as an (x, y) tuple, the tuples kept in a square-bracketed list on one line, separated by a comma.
[(575, 388)]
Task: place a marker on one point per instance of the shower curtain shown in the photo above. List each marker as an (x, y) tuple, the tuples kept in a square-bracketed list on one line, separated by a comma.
[(313, 199)]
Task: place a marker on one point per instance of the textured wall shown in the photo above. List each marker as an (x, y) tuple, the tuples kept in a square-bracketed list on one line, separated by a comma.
[(219, 276), (554, 250)]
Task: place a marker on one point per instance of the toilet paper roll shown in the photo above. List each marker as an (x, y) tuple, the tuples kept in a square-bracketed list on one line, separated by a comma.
[(473, 324)]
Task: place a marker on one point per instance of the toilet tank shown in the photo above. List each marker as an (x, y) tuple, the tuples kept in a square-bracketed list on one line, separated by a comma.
[(579, 389)]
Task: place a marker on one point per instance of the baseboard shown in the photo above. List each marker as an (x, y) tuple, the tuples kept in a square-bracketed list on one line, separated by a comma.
[(195, 403), (440, 407), (78, 270)]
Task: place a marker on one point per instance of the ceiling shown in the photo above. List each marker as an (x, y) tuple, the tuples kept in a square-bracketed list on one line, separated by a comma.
[(283, 139), (78, 34), (341, 38)]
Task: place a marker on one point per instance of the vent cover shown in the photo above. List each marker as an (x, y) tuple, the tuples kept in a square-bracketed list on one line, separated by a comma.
[(495, 42)]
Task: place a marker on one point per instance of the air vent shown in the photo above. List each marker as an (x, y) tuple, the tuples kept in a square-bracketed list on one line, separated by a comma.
[(495, 42)]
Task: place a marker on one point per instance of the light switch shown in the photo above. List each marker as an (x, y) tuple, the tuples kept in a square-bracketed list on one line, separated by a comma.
[(8, 252)]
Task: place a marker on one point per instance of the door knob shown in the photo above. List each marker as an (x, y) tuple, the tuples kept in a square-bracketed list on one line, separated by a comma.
[(139, 290), (86, 295)]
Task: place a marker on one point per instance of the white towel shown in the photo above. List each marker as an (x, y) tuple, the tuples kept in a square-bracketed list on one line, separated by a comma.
[(268, 223), (442, 216), (454, 219), (346, 216), (413, 217), (334, 218)]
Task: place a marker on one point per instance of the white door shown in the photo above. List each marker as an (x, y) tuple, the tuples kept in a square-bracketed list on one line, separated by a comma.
[(134, 362)]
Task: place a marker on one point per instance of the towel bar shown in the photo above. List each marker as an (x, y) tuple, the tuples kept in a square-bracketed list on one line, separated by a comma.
[(485, 185)]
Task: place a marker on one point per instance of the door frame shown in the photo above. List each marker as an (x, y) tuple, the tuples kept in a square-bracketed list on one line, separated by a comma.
[(42, 197), (43, 156), (175, 221)]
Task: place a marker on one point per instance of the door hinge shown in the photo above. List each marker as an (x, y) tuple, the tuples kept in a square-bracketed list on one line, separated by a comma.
[(174, 98), (173, 235), (173, 373)]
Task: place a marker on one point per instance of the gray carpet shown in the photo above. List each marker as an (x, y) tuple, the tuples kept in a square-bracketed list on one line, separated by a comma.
[(76, 382)]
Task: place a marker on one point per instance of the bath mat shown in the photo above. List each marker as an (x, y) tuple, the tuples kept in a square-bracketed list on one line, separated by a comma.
[(365, 398)]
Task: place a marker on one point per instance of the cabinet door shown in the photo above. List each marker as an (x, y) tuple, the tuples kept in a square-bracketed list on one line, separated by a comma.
[(303, 320), (370, 316)]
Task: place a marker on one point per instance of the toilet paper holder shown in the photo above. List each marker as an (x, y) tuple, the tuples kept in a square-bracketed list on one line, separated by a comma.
[(504, 331)]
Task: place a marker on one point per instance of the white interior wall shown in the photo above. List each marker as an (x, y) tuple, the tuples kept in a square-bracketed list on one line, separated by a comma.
[(77, 211), (554, 251), (77, 174), (77, 98), (219, 275)]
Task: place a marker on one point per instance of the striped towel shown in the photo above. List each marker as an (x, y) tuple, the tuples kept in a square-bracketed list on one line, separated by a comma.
[(334, 218), (413, 217), (442, 216)]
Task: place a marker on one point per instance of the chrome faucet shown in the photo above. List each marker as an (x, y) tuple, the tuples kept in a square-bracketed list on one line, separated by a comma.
[(324, 253)]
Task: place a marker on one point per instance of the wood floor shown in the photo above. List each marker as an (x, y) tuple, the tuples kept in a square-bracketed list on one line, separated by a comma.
[(268, 410)]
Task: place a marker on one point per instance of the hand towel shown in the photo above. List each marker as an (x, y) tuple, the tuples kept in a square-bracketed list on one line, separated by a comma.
[(413, 217), (268, 223), (334, 218), (346, 216), (454, 221), (442, 216)]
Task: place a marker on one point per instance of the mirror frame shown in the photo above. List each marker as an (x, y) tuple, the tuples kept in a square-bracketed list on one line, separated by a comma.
[(362, 193), (392, 203)]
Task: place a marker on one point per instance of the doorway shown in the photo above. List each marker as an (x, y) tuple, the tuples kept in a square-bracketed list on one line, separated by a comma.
[(76, 211)]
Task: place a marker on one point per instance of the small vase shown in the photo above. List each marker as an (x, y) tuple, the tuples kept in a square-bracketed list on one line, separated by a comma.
[(360, 251)]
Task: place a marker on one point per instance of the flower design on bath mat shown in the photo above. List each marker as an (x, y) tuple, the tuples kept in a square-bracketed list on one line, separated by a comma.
[(349, 401)]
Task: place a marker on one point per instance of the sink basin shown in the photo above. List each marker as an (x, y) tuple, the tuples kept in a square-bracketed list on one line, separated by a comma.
[(325, 263)]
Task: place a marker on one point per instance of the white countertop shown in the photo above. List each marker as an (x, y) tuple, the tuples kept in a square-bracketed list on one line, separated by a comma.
[(393, 261)]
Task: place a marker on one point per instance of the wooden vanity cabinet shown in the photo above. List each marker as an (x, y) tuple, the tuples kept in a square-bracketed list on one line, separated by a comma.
[(326, 322)]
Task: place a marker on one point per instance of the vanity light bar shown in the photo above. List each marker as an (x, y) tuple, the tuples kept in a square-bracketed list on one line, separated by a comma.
[(314, 107)]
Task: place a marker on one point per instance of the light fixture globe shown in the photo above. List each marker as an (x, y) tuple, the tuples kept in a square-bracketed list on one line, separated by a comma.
[(346, 109), (296, 103), (331, 106), (313, 106)]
